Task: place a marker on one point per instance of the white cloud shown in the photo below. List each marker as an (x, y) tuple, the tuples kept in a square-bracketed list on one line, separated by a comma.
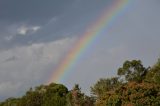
[(23, 30), (13, 30), (36, 28)]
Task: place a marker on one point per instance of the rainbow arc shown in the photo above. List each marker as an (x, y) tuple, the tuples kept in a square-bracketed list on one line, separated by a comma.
[(106, 18)]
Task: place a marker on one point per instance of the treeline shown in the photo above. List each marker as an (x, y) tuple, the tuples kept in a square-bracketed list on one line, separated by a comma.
[(134, 85), (51, 95)]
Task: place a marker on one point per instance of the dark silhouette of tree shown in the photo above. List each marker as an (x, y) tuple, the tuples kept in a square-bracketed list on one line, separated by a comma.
[(133, 71)]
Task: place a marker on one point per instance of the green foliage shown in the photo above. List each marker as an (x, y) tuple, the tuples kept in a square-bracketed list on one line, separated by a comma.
[(154, 74), (11, 102), (140, 88), (77, 98), (51, 95), (133, 71), (114, 100), (55, 94), (132, 94), (104, 85)]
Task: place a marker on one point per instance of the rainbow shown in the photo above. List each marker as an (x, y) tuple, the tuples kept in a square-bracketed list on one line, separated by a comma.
[(73, 56)]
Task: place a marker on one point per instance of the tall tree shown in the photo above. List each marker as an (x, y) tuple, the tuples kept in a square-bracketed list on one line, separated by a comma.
[(104, 85), (77, 98), (154, 74), (133, 71)]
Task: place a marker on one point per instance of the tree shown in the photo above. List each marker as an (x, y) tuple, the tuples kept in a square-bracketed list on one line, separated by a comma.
[(77, 98), (45, 95), (133, 71), (154, 74), (104, 85), (55, 95)]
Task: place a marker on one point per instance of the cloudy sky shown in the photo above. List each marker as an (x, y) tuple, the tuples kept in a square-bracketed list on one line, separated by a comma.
[(36, 34)]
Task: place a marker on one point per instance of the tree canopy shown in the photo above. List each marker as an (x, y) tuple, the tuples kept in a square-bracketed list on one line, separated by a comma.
[(134, 85)]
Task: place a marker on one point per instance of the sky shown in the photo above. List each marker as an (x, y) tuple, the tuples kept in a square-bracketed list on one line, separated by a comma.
[(36, 34)]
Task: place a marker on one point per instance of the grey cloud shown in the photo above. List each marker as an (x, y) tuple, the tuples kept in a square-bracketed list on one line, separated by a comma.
[(12, 58), (58, 20), (132, 35), (28, 66), (23, 30), (36, 11), (9, 34)]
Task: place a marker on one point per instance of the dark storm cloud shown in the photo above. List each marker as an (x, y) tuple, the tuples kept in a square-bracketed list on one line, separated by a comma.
[(36, 11), (57, 19)]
